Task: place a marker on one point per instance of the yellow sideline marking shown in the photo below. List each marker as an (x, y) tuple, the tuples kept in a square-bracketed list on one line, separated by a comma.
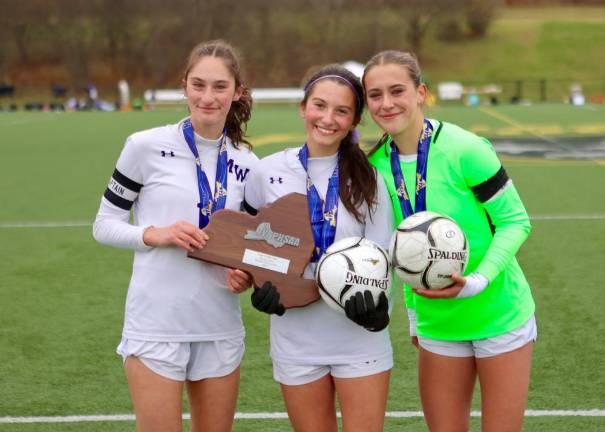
[(594, 128), (530, 161), (480, 129), (513, 123), (524, 128), (547, 129), (276, 139), (513, 130)]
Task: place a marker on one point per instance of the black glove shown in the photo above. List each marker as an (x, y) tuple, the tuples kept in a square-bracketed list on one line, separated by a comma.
[(266, 299), (361, 309)]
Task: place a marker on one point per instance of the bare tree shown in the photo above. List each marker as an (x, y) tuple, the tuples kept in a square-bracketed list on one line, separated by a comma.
[(146, 41), (20, 20), (480, 14), (419, 16), (73, 34), (118, 25)]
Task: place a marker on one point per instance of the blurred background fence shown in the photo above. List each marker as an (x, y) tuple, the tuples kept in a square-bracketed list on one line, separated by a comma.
[(531, 91)]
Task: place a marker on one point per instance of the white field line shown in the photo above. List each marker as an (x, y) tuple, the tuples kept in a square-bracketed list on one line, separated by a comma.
[(281, 415), (72, 224), (46, 224), (595, 216)]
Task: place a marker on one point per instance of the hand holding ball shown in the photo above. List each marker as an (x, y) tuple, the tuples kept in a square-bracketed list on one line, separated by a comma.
[(426, 249)]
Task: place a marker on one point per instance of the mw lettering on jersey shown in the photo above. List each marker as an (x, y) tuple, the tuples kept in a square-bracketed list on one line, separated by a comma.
[(240, 173), (121, 190)]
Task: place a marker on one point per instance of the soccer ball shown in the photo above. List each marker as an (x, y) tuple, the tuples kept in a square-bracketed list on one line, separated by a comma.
[(351, 265), (426, 249)]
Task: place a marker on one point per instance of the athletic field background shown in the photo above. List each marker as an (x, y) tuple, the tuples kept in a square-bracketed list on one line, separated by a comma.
[(62, 294)]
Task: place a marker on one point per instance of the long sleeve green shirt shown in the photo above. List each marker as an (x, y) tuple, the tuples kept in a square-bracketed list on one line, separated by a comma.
[(466, 182)]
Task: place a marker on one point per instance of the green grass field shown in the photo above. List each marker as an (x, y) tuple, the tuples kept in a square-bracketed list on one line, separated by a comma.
[(62, 294)]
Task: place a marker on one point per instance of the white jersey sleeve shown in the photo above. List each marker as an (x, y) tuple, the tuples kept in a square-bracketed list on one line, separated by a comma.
[(380, 225), (111, 226)]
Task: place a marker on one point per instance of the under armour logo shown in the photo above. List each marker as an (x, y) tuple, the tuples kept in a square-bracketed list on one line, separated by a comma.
[(278, 180), (165, 153)]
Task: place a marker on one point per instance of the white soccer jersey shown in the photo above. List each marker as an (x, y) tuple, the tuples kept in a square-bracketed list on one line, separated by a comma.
[(170, 297), (316, 334)]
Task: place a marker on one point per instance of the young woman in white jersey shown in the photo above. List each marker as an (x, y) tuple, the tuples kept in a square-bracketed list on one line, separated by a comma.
[(183, 326), (483, 325), (317, 353)]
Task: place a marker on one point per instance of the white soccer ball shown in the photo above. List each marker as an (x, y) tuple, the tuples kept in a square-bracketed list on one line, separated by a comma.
[(351, 265), (426, 249)]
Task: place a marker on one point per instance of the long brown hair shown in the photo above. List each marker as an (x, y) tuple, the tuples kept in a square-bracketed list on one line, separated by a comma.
[(239, 113), (404, 59), (357, 178)]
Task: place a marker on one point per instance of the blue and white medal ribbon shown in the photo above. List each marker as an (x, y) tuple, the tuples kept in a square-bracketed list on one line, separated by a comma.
[(323, 220), (421, 168), (208, 204)]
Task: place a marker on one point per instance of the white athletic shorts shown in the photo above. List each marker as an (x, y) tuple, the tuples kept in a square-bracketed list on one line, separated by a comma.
[(191, 361), (482, 348), (298, 374)]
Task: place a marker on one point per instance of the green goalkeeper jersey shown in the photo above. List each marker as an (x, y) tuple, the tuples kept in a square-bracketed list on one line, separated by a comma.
[(466, 181)]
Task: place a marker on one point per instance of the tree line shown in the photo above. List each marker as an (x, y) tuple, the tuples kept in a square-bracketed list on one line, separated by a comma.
[(74, 42)]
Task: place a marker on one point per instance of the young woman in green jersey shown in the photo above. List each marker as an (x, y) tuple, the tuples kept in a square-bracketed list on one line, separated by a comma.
[(482, 326)]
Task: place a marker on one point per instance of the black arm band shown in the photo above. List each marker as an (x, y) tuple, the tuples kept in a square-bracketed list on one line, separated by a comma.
[(117, 200), (125, 181), (486, 190)]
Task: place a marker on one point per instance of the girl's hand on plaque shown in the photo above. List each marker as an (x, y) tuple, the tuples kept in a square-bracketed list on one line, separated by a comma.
[(238, 281), (181, 234)]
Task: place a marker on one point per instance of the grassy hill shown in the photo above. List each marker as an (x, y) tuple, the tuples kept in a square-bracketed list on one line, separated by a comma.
[(559, 44)]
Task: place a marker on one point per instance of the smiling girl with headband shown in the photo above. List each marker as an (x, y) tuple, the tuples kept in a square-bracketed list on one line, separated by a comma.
[(318, 353)]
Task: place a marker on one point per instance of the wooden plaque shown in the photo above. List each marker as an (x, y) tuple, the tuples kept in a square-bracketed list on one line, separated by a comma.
[(275, 245)]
